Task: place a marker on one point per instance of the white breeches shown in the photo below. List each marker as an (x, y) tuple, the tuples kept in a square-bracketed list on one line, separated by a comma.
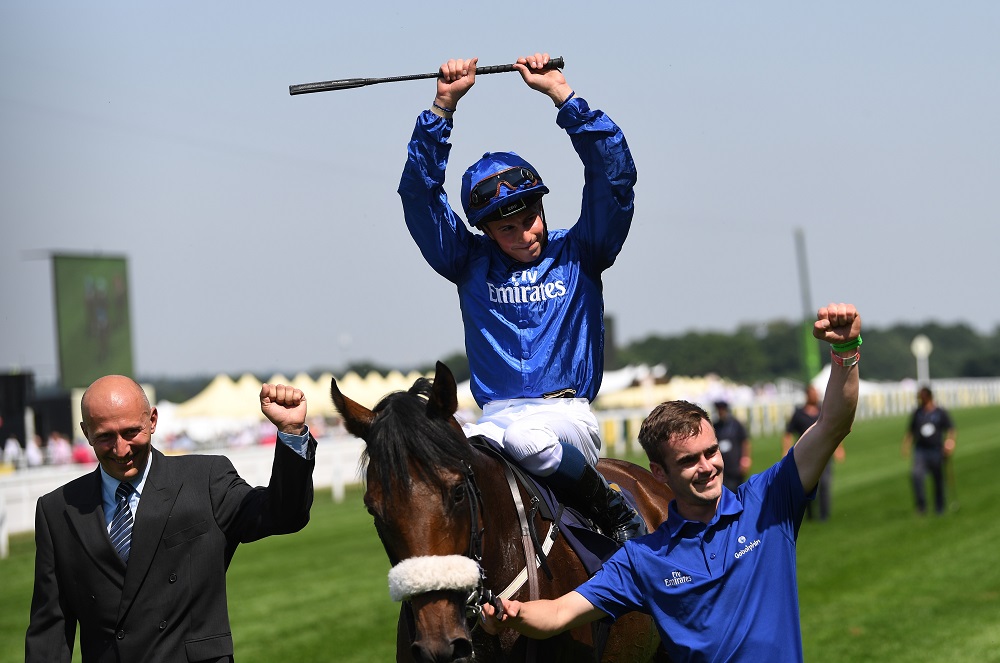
[(530, 430)]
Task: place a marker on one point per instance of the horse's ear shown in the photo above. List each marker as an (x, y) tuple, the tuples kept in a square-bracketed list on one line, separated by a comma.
[(357, 418), (443, 402)]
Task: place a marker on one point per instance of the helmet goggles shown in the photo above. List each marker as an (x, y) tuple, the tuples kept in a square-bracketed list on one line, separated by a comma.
[(484, 191)]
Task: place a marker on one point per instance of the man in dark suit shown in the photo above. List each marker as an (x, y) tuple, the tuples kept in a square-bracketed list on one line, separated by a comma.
[(136, 552)]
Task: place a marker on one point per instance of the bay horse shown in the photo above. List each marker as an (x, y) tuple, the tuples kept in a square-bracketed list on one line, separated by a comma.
[(444, 509)]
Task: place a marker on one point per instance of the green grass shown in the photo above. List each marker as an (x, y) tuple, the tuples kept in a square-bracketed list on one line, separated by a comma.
[(319, 595), (876, 582), (879, 582)]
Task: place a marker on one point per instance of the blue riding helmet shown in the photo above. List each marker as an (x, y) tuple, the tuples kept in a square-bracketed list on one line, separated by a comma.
[(501, 183)]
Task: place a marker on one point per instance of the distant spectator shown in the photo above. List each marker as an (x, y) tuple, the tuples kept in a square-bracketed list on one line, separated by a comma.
[(33, 454), (13, 454), (802, 418), (83, 452), (58, 449), (931, 434), (734, 445), (265, 436)]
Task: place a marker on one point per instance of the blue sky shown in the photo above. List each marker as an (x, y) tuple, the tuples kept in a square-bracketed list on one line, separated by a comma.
[(264, 231)]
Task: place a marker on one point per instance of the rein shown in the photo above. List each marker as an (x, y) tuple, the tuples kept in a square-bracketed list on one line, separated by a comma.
[(475, 510)]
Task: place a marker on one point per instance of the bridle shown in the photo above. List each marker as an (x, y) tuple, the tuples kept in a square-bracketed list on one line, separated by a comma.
[(477, 529), (419, 575)]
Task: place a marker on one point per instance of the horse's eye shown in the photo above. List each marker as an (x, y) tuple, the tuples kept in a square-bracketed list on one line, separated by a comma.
[(458, 494)]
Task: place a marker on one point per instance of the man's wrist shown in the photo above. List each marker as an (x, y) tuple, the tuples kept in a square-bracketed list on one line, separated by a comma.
[(297, 442), (561, 94), (847, 345), (444, 106), (294, 431), (442, 111), (845, 359)]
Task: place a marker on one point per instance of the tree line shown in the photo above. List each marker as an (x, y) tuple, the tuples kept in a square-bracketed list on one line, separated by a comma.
[(754, 353), (757, 353), (766, 352)]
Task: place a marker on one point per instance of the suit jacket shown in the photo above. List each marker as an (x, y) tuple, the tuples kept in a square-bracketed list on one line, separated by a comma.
[(169, 603)]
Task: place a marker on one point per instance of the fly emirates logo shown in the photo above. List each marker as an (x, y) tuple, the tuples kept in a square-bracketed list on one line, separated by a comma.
[(524, 288), (677, 578)]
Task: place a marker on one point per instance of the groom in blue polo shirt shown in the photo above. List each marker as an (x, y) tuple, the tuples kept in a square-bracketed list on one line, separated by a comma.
[(718, 576)]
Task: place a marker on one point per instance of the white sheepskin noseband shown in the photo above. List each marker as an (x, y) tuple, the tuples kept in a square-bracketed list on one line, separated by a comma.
[(419, 575)]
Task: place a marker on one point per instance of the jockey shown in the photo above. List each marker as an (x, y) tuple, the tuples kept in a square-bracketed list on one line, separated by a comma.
[(531, 298)]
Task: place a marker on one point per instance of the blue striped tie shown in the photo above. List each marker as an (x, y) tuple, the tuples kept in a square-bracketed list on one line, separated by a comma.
[(121, 524)]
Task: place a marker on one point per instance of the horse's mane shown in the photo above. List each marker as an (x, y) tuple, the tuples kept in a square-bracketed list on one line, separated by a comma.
[(403, 436)]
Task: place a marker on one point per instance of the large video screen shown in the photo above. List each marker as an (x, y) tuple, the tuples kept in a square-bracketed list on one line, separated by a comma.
[(92, 318)]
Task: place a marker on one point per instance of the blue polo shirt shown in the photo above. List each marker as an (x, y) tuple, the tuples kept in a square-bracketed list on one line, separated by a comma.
[(725, 591)]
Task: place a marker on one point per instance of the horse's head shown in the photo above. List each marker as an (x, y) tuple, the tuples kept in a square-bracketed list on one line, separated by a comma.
[(423, 497)]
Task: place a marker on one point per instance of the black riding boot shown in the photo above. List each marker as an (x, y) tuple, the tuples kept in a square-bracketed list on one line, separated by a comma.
[(579, 485), (606, 506)]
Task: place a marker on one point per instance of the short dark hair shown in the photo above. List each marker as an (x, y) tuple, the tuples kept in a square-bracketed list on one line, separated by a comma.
[(673, 419)]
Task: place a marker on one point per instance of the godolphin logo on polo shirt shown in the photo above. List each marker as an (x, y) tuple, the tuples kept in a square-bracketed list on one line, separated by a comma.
[(747, 547), (677, 578)]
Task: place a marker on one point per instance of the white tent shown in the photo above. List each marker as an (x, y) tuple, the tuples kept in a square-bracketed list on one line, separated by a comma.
[(225, 399)]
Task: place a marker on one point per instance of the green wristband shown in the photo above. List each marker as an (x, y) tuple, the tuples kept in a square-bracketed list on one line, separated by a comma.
[(849, 345)]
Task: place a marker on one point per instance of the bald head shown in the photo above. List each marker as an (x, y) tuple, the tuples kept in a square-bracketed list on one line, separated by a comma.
[(119, 423), (115, 391)]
